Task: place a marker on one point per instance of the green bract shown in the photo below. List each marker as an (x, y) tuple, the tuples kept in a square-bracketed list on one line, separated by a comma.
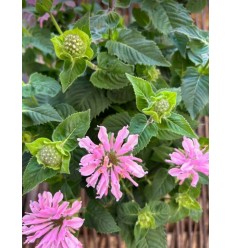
[(161, 105), (49, 153), (146, 219), (72, 44)]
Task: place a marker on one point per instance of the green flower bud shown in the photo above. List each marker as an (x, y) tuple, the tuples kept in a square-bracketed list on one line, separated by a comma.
[(72, 44), (162, 106), (147, 72), (146, 219), (50, 156)]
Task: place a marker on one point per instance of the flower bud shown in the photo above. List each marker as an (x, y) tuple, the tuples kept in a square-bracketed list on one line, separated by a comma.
[(162, 106), (50, 156), (74, 45), (146, 220)]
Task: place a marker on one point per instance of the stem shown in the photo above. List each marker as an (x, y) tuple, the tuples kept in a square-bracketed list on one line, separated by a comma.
[(55, 23), (91, 65), (206, 65), (111, 4), (129, 193)]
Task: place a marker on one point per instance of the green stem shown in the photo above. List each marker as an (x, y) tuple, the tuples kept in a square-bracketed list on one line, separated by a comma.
[(91, 65), (55, 23), (129, 193)]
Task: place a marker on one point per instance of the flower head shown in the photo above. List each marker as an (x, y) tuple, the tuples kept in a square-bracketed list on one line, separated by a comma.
[(189, 162), (52, 222), (109, 161)]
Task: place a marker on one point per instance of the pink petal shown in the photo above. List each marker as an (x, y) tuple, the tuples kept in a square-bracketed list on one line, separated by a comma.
[(76, 206), (132, 141), (70, 4), (31, 239), (132, 167), (57, 198), (42, 19), (115, 186), (75, 223), (174, 172), (87, 143), (61, 210), (72, 241), (122, 134), (102, 187), (177, 158), (88, 169), (49, 238), (195, 179), (33, 229), (92, 180), (103, 137)]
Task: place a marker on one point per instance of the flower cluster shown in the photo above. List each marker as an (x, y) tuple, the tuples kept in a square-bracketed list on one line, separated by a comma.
[(111, 160), (52, 222), (189, 162)]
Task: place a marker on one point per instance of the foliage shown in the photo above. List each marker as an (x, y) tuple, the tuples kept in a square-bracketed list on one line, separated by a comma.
[(151, 75)]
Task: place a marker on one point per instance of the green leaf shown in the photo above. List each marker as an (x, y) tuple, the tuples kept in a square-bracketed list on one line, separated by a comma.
[(43, 6), (186, 201), (101, 23), (166, 15), (110, 73), (72, 70), (115, 122), (73, 127), (160, 211), (162, 184), (128, 213), (83, 24), (192, 191), (143, 91), (146, 130), (195, 91), (154, 238), (195, 215), (35, 174), (141, 17), (177, 124), (161, 153), (42, 114), (40, 84), (84, 96), (119, 3), (123, 95), (133, 48), (65, 110), (177, 212), (168, 135), (196, 5), (99, 218)]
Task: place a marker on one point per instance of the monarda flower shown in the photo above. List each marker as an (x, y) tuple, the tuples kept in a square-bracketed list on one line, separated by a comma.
[(52, 222), (189, 162), (110, 161)]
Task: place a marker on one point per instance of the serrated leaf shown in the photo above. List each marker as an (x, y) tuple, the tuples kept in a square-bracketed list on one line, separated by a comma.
[(177, 124), (101, 23), (71, 71), (146, 130), (123, 95), (187, 188), (177, 212), (73, 127), (162, 184), (99, 218), (65, 110), (143, 91), (42, 114), (128, 213), (167, 15), (40, 84), (35, 174), (168, 135), (195, 91), (195, 215), (133, 48), (110, 73), (141, 17), (84, 24), (160, 211), (115, 122), (84, 96), (154, 238), (43, 6)]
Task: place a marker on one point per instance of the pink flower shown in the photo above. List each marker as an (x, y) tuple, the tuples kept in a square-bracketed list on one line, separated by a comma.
[(109, 161), (189, 162), (52, 222)]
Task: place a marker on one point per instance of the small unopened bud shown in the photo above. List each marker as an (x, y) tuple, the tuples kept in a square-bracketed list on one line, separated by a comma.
[(50, 157), (146, 220), (74, 45), (162, 106)]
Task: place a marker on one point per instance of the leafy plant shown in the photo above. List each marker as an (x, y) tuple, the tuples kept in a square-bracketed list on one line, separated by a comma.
[(127, 93)]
